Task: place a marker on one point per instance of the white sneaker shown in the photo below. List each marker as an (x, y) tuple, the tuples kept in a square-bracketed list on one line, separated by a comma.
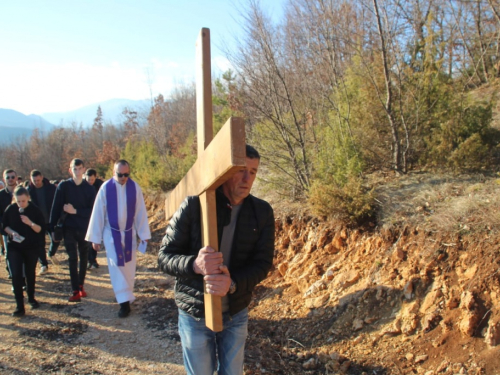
[(43, 270)]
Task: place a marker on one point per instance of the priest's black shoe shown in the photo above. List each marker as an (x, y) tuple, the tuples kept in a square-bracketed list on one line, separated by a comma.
[(124, 310)]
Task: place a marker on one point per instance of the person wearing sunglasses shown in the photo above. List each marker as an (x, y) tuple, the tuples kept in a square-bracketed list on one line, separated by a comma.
[(119, 219), (6, 195), (73, 201)]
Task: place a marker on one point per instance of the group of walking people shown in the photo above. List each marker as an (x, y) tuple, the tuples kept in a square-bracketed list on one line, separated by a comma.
[(116, 216), (71, 213)]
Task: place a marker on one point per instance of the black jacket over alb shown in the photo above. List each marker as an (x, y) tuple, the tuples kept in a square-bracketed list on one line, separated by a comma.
[(251, 252)]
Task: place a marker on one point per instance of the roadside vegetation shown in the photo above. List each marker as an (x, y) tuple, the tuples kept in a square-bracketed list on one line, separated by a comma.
[(336, 94)]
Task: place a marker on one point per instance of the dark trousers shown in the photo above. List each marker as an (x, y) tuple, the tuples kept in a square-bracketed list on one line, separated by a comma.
[(52, 251), (74, 241), (23, 263), (92, 255)]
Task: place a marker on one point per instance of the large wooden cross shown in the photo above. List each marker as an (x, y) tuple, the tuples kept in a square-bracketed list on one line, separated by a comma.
[(218, 160)]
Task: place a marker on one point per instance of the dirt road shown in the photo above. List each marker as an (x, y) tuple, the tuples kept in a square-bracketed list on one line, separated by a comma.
[(88, 337)]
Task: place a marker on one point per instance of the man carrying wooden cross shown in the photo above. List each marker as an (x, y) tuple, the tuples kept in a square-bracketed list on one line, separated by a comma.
[(245, 226)]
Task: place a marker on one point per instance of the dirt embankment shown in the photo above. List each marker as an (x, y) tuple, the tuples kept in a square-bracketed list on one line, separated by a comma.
[(399, 301)]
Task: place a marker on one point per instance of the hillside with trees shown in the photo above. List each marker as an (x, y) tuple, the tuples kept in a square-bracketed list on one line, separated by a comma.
[(378, 126), (337, 91)]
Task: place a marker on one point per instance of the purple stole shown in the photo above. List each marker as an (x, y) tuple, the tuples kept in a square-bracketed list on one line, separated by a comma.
[(112, 208)]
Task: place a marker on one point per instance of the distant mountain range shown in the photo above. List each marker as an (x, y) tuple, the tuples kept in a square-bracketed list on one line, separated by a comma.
[(14, 124), (111, 112)]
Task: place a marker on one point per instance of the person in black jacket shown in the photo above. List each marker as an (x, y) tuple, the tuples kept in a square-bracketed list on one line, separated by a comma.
[(246, 242), (91, 177), (25, 226), (42, 194), (6, 196), (74, 198)]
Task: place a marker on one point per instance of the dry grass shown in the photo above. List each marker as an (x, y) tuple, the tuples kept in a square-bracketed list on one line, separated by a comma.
[(441, 202), (431, 201)]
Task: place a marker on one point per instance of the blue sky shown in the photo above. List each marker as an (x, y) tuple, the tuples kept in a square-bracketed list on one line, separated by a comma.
[(61, 55)]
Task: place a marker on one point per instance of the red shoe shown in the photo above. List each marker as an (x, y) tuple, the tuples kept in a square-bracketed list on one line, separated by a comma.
[(83, 293), (75, 297)]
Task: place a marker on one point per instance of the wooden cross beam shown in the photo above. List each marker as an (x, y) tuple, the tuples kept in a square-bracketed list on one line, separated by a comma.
[(218, 160)]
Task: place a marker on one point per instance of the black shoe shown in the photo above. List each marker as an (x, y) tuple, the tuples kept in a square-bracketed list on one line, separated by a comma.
[(34, 303), (124, 310), (18, 312), (95, 265)]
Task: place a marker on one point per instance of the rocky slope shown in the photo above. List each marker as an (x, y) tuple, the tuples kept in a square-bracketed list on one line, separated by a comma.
[(389, 299)]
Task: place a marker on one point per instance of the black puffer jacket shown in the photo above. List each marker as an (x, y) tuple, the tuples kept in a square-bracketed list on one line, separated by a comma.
[(251, 254)]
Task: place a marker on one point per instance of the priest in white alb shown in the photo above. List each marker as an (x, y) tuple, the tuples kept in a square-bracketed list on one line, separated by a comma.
[(119, 218)]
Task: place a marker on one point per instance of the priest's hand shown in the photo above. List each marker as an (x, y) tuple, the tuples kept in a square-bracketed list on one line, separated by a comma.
[(96, 246), (208, 261), (218, 285)]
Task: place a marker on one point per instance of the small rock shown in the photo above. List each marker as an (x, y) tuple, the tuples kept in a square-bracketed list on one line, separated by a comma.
[(409, 356), (332, 366), (357, 324), (310, 364), (337, 357), (408, 290), (357, 340), (345, 366), (421, 358)]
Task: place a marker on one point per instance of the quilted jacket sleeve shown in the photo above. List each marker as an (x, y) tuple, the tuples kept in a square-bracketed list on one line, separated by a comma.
[(177, 252)]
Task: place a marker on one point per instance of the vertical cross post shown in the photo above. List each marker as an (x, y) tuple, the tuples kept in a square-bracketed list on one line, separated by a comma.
[(219, 158), (205, 133)]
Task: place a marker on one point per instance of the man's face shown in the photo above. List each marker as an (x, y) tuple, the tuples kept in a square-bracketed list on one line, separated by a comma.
[(37, 181), (77, 171), (10, 179), (90, 179), (120, 170), (238, 187)]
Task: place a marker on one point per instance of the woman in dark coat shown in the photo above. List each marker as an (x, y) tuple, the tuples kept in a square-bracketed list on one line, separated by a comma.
[(24, 224)]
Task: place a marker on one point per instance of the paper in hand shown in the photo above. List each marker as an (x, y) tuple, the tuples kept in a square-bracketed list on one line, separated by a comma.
[(142, 247), (17, 238)]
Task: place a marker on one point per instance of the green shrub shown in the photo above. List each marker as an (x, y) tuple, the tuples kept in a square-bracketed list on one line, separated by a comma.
[(470, 154), (153, 170), (465, 140), (351, 203)]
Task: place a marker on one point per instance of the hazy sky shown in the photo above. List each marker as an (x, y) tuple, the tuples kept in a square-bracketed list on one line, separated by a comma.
[(62, 55)]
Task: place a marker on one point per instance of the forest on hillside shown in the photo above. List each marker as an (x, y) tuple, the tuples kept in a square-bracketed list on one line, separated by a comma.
[(336, 90)]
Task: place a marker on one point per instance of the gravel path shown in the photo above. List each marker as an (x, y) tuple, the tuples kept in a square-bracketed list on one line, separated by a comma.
[(88, 338)]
